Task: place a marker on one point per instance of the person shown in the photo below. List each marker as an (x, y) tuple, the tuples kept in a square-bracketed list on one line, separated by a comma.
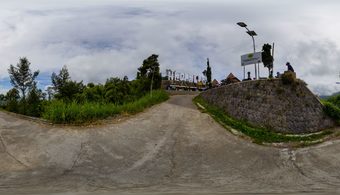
[(278, 75), (249, 77), (290, 68)]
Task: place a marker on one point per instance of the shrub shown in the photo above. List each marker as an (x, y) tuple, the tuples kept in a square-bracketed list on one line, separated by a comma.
[(288, 78), (335, 100), (332, 110), (59, 111)]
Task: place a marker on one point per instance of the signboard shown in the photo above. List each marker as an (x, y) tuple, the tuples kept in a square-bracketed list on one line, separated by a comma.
[(251, 58)]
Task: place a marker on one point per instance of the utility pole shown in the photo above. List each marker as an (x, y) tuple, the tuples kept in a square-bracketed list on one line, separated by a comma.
[(252, 34)]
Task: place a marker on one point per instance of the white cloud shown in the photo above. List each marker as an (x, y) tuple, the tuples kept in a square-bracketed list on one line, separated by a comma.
[(101, 39)]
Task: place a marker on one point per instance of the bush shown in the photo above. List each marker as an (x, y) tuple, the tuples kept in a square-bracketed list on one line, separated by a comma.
[(332, 110), (335, 100), (59, 111), (288, 78)]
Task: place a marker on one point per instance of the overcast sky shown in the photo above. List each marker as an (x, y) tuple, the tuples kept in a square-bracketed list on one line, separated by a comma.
[(100, 39)]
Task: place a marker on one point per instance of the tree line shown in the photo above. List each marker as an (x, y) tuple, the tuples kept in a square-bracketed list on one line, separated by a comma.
[(26, 98)]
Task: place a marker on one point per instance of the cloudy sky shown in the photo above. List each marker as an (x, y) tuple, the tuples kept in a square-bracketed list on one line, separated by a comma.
[(106, 38)]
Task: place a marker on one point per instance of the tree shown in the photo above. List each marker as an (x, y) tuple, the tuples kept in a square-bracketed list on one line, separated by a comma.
[(94, 93), (34, 99), (64, 87), (12, 98), (22, 77), (2, 100), (49, 91), (117, 90), (149, 75), (207, 73), (60, 80), (267, 58)]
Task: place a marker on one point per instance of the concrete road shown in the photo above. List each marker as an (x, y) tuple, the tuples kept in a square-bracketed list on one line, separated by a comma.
[(170, 148)]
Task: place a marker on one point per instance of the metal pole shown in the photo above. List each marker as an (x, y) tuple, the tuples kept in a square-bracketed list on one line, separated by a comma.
[(254, 54), (244, 72)]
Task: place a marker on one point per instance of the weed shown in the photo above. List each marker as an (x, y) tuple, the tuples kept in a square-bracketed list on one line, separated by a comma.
[(258, 134), (75, 113), (331, 110)]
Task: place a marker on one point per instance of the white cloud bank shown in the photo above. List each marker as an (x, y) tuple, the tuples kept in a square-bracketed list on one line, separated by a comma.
[(100, 39)]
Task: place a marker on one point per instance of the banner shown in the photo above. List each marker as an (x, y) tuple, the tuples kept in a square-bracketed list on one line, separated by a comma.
[(251, 58)]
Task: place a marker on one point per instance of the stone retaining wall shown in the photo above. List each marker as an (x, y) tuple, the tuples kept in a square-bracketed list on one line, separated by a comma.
[(291, 108)]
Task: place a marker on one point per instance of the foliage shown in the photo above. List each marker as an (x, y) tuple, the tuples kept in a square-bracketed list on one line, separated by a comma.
[(149, 74), (207, 73), (267, 58), (2, 100), (66, 89), (335, 99), (74, 96), (117, 90), (12, 100), (288, 78), (258, 134), (332, 107), (34, 99), (59, 111), (22, 77), (23, 80)]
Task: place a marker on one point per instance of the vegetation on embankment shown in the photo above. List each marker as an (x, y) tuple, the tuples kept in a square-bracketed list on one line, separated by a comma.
[(257, 134), (332, 107), (74, 113), (70, 101)]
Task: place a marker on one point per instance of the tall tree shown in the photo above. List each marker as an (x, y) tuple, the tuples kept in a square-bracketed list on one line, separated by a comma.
[(64, 87), (2, 100), (22, 78), (149, 73), (60, 80), (208, 73), (34, 99), (12, 98), (267, 58)]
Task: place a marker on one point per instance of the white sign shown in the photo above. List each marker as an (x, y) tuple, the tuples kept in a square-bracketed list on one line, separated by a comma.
[(251, 58)]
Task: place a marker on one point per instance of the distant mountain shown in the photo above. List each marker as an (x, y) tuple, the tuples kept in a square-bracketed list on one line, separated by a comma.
[(327, 96)]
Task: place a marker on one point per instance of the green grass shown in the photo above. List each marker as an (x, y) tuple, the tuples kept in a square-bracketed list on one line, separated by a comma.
[(331, 110), (74, 113), (258, 134)]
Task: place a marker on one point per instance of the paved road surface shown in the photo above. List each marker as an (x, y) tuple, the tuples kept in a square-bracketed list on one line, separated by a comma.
[(171, 147)]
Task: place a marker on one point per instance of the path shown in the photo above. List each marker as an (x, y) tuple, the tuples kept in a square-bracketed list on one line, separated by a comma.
[(171, 147)]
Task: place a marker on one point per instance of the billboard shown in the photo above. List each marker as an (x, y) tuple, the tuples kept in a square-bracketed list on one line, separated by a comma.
[(251, 58)]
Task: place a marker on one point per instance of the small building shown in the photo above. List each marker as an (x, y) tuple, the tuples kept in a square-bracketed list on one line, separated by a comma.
[(230, 79), (215, 83)]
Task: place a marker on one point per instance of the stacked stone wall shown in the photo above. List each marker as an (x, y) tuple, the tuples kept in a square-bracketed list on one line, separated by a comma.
[(291, 108)]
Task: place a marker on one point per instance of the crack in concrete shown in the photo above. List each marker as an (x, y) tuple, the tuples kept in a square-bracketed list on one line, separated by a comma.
[(172, 156), (292, 159), (76, 159), (9, 154)]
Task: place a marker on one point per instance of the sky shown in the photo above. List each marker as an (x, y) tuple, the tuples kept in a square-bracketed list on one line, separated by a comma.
[(98, 39)]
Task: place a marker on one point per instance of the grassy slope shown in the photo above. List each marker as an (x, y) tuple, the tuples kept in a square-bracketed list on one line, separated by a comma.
[(332, 107), (258, 134), (73, 113)]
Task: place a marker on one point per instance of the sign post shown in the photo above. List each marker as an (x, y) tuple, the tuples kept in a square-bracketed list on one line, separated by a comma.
[(250, 58)]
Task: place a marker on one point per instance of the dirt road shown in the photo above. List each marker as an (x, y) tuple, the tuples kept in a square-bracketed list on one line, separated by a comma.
[(171, 147)]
